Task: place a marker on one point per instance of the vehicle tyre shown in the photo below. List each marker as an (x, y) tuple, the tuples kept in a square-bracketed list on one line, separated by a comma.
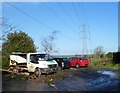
[(60, 68), (37, 72), (55, 71), (11, 68), (77, 66)]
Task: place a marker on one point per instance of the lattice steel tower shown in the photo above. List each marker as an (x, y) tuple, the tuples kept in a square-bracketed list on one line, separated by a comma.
[(84, 37)]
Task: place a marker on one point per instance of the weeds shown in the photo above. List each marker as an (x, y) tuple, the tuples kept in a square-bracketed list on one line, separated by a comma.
[(103, 63), (18, 77)]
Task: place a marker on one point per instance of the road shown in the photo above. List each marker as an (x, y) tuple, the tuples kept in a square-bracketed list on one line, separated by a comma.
[(83, 79)]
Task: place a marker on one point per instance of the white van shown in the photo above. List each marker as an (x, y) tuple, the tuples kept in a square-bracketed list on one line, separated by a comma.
[(33, 62)]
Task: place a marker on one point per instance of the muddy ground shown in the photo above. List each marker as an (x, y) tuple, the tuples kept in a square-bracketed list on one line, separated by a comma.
[(83, 79)]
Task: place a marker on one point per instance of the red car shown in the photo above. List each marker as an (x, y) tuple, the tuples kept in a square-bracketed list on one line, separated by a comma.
[(78, 62)]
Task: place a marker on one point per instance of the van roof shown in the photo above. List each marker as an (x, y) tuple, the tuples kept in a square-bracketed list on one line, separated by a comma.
[(13, 53), (18, 53)]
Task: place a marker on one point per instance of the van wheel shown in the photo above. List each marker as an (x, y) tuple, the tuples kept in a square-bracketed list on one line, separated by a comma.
[(37, 72), (60, 68), (77, 66), (11, 68)]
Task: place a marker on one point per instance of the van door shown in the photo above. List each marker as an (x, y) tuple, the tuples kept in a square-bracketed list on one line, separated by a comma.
[(32, 64)]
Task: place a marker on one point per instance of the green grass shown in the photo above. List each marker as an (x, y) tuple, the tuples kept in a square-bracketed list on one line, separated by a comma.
[(17, 77), (116, 66), (103, 63)]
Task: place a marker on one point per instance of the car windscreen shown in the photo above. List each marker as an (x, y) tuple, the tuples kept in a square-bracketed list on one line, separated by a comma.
[(84, 58), (45, 57), (65, 59)]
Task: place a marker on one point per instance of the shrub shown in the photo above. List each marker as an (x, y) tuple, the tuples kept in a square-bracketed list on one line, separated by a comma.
[(16, 42)]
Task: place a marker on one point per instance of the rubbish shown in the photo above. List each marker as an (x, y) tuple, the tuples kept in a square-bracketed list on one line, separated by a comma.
[(52, 85)]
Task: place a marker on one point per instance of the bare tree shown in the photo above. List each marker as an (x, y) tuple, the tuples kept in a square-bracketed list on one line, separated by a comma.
[(98, 51), (48, 44), (6, 28)]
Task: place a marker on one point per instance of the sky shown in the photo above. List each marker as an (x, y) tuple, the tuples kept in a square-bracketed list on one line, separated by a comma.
[(38, 19)]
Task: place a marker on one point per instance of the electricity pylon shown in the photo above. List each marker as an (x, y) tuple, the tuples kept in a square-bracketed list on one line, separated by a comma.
[(84, 38)]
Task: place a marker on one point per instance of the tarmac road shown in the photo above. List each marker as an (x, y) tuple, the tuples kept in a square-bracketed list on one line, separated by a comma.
[(83, 79)]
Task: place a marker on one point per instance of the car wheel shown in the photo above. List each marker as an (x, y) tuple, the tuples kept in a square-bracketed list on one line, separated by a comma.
[(37, 72), (77, 66)]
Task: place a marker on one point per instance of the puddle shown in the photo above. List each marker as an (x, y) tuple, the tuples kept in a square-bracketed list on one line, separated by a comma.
[(70, 84), (103, 82), (110, 73), (94, 83)]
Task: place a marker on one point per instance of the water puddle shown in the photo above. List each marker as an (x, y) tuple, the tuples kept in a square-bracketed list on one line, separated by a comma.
[(103, 82), (110, 73), (96, 82)]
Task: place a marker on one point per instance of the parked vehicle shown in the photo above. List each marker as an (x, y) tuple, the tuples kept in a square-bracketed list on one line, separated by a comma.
[(64, 63), (33, 62), (79, 62)]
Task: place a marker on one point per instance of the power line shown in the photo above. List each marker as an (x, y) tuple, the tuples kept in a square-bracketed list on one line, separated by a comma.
[(68, 15), (68, 37), (82, 7), (36, 20), (76, 13), (82, 14), (59, 17), (84, 11), (30, 16)]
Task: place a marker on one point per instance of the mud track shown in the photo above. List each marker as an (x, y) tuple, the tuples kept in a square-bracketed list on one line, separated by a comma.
[(83, 79)]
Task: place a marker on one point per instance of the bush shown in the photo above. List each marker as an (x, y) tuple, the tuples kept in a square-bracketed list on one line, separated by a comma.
[(16, 42), (109, 55)]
